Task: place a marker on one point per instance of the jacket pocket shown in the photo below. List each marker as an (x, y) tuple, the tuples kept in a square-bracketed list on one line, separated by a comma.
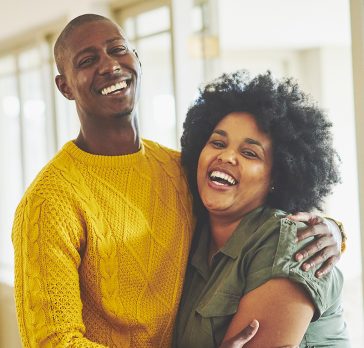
[(216, 315)]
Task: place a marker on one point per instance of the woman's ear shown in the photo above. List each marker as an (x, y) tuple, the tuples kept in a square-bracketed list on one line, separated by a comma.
[(63, 87)]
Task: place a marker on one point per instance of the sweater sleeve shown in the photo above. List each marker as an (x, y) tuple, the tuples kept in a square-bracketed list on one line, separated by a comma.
[(47, 245)]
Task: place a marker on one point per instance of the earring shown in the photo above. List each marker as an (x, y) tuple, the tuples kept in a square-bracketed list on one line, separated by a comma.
[(272, 188)]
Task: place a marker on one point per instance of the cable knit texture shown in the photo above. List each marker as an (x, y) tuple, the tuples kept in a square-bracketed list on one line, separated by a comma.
[(101, 245)]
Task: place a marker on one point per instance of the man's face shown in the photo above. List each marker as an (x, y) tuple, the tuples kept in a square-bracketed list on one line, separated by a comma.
[(100, 72)]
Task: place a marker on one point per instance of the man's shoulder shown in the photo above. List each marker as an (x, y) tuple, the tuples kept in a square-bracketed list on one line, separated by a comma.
[(157, 147), (53, 177), (161, 153)]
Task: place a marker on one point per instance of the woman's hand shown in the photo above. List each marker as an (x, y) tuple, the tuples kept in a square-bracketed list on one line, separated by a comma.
[(325, 249), (244, 336)]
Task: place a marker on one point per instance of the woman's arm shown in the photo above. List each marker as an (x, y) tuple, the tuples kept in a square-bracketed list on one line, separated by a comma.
[(283, 310)]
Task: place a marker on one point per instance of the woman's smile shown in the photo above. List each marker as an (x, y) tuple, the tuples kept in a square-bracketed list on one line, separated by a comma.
[(234, 168)]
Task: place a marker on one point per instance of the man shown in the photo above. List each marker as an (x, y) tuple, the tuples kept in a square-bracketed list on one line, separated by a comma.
[(102, 235)]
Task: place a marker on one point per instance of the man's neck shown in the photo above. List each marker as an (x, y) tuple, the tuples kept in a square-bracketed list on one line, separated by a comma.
[(115, 140)]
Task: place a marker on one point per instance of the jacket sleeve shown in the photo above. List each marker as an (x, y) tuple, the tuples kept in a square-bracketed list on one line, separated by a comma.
[(47, 248)]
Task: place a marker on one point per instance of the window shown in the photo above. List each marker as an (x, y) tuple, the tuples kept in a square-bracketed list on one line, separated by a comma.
[(150, 33), (11, 173), (27, 133)]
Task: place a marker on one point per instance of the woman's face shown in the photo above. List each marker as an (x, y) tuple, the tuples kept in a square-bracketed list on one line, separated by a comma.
[(234, 168)]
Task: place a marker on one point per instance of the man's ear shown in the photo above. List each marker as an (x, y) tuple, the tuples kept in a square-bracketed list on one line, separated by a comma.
[(137, 55), (63, 87)]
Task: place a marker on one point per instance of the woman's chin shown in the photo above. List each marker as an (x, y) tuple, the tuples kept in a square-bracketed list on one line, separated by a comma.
[(214, 208)]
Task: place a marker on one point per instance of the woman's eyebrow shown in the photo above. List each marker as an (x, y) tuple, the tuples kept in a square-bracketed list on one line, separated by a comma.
[(253, 142), (220, 132)]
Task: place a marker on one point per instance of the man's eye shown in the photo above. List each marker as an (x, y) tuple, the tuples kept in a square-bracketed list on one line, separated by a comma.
[(120, 49), (85, 62)]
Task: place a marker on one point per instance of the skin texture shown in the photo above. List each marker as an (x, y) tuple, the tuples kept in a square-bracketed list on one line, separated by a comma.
[(93, 62), (244, 336), (277, 305)]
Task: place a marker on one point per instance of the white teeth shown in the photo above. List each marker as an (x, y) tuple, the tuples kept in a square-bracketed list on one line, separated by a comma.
[(220, 175), (113, 88)]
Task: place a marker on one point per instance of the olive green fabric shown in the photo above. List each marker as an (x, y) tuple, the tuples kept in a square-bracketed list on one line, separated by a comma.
[(261, 248)]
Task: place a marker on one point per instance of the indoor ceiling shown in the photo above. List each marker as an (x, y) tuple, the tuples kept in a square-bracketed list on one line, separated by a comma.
[(244, 23)]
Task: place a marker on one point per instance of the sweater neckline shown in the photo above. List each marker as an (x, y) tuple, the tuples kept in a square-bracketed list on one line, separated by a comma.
[(103, 161)]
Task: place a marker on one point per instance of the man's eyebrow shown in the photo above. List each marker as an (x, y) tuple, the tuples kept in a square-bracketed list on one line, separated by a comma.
[(119, 38), (93, 49), (89, 49)]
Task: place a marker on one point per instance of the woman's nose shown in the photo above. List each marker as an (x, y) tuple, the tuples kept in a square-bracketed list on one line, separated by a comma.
[(227, 156)]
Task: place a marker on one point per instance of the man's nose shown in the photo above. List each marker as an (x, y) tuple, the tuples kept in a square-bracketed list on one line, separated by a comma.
[(108, 65), (228, 156)]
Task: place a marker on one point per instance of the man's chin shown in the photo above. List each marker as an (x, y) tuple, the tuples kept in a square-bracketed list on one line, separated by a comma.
[(125, 113)]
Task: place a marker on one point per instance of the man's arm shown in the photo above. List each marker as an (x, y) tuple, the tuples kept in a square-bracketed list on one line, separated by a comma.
[(47, 289), (325, 249), (242, 337)]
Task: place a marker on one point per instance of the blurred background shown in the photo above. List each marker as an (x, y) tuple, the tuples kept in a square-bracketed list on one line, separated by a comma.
[(181, 44)]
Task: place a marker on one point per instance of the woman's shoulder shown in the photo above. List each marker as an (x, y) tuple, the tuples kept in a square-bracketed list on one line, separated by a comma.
[(276, 255), (279, 231)]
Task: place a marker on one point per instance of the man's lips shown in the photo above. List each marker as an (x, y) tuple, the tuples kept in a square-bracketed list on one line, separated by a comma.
[(115, 87)]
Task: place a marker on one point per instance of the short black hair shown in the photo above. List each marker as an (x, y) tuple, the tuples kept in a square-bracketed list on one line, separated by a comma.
[(305, 164), (60, 46)]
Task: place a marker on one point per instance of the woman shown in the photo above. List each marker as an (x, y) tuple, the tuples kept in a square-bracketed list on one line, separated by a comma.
[(256, 150)]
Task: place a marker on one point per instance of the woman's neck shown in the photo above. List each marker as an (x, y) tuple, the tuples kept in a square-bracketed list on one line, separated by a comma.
[(221, 230)]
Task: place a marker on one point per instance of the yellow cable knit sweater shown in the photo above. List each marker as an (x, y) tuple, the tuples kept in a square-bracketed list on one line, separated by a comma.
[(101, 245)]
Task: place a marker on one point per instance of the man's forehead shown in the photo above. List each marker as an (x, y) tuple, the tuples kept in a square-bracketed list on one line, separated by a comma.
[(93, 28), (94, 33)]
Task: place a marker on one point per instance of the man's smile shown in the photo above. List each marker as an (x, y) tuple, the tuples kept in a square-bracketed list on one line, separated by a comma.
[(115, 88)]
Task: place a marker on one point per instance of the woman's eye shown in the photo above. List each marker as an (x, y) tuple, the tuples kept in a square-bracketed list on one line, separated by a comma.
[(249, 153), (217, 144)]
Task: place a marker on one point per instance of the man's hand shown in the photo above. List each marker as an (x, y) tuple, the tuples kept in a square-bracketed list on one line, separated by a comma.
[(244, 336), (325, 248)]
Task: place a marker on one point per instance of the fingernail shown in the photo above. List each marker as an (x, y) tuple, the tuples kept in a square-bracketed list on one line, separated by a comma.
[(306, 266), (299, 257), (254, 324), (319, 274)]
